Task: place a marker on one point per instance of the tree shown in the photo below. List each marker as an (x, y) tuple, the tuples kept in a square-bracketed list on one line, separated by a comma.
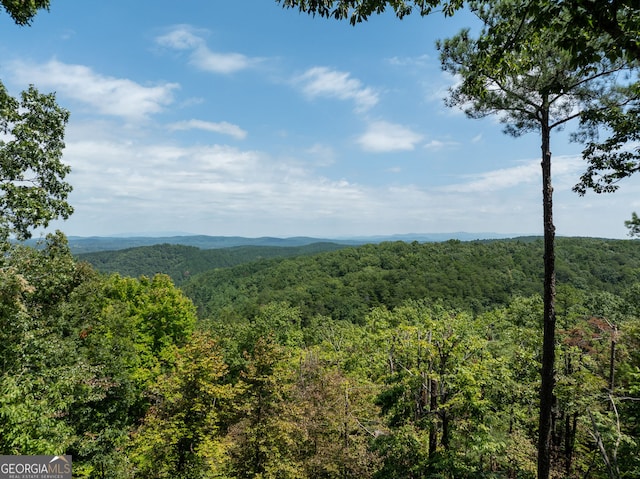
[(32, 187), (44, 374), (358, 11), (575, 20), (265, 442), (182, 426), (536, 87), (32, 190), (338, 420), (153, 317), (23, 11), (436, 388), (633, 225)]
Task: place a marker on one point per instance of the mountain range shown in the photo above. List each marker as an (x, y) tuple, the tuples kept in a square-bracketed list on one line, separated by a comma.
[(81, 245)]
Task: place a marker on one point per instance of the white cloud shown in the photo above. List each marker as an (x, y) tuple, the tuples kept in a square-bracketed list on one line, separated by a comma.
[(184, 37), (382, 136), (181, 37), (323, 155), (327, 83), (107, 95), (125, 185), (137, 186), (565, 172), (207, 60), (525, 173), (220, 127), (418, 61), (435, 145)]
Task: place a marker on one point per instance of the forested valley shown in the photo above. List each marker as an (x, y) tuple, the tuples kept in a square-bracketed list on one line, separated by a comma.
[(391, 360)]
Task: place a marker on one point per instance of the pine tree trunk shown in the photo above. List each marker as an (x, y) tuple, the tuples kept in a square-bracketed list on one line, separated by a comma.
[(549, 319)]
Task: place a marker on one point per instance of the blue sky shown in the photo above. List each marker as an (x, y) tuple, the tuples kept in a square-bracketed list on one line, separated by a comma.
[(241, 118)]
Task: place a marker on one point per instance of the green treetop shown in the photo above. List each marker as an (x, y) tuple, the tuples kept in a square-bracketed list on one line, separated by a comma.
[(32, 187), (23, 11)]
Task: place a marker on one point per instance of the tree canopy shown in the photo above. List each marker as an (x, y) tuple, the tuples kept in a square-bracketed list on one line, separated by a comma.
[(23, 11), (119, 373), (358, 11), (32, 187)]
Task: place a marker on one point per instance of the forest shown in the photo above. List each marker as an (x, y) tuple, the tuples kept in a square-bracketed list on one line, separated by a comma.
[(416, 360), (484, 359)]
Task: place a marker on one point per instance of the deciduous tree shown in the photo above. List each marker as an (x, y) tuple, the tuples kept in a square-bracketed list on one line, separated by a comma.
[(360, 10), (265, 441), (181, 434), (23, 11), (32, 187)]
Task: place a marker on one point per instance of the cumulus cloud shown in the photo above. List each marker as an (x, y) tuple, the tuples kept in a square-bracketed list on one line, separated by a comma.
[(107, 95), (382, 137), (136, 185), (327, 83), (185, 37), (223, 127), (128, 185)]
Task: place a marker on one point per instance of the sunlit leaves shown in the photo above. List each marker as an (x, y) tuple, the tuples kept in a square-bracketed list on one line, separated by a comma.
[(181, 433), (32, 187)]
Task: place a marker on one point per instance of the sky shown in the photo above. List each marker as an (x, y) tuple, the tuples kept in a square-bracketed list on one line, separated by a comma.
[(245, 119)]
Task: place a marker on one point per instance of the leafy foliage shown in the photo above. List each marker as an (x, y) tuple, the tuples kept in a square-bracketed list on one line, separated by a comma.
[(117, 372), (474, 276), (617, 156), (23, 11), (190, 406), (32, 187), (358, 11), (183, 262)]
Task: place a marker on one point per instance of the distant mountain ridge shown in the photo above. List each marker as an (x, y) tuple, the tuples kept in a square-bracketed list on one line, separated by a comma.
[(79, 245)]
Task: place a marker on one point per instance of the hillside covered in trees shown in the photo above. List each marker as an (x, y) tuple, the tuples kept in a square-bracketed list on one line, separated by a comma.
[(183, 261), (380, 361), (472, 276)]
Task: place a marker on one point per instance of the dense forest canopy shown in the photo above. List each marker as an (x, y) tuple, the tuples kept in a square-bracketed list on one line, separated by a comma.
[(182, 262), (389, 360), (471, 276)]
